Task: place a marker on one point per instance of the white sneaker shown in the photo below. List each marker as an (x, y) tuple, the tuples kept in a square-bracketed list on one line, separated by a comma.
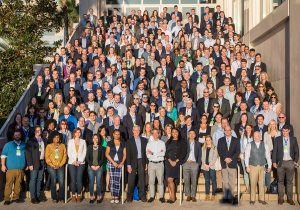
[(112, 201), (117, 201)]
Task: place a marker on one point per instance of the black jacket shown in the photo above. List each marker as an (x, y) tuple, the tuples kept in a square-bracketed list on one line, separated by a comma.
[(89, 155), (233, 152), (132, 153), (197, 151), (277, 154), (33, 154)]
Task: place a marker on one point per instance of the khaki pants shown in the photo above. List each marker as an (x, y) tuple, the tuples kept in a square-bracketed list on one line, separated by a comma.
[(219, 179), (229, 177), (13, 177), (257, 176)]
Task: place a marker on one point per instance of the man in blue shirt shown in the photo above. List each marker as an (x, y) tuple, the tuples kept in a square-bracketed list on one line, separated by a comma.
[(13, 163)]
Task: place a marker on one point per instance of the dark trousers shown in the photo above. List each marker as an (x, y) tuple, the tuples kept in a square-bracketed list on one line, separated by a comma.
[(287, 169), (76, 173), (92, 176), (210, 176), (57, 175), (36, 178), (2, 185), (140, 172)]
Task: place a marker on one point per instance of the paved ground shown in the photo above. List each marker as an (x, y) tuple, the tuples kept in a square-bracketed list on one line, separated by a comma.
[(146, 206)]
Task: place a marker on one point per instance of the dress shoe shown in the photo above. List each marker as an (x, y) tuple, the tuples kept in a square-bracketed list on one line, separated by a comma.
[(188, 198), (18, 201), (100, 200), (92, 201), (252, 202), (234, 201), (150, 200), (74, 199), (280, 201), (194, 199), (207, 198), (34, 201), (170, 201), (213, 198), (219, 190), (78, 199), (162, 200), (144, 200), (6, 203), (291, 202), (262, 202)]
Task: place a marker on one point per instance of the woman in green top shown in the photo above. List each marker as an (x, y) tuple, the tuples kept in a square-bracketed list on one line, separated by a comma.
[(171, 110), (102, 131)]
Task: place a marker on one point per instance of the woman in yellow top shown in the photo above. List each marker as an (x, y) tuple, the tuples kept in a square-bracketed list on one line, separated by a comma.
[(56, 156)]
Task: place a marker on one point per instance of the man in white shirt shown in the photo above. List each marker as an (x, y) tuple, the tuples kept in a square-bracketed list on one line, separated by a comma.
[(155, 152), (256, 156)]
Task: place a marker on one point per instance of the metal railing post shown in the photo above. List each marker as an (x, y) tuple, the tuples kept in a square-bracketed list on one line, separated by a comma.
[(66, 183), (122, 187), (180, 186), (238, 184)]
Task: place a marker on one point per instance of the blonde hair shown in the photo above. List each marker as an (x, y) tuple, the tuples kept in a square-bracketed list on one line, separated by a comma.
[(269, 126), (212, 142)]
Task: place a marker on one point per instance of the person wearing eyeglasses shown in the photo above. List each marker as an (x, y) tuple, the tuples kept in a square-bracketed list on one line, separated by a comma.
[(275, 104), (285, 158), (282, 122), (204, 103)]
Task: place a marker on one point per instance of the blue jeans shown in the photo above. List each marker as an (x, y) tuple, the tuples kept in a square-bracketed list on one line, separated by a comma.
[(210, 175), (92, 175), (57, 175), (76, 173), (36, 178), (246, 175)]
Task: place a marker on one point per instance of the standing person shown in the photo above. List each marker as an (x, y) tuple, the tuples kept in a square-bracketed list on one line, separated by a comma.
[(257, 155), (136, 163), (116, 156), (209, 159), (76, 163), (35, 159), (95, 160), (13, 163), (284, 157), (228, 149), (56, 157), (191, 166), (156, 150), (175, 154)]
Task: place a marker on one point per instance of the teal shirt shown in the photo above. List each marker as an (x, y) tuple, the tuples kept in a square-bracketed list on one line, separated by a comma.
[(14, 154), (173, 114)]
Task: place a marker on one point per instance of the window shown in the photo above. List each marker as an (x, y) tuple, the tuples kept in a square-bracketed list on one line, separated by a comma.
[(132, 1), (170, 1), (151, 1)]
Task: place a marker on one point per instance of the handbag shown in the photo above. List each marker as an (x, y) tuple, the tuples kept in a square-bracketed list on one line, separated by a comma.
[(273, 189)]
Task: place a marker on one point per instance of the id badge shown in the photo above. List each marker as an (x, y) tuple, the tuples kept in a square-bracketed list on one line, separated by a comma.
[(18, 152), (56, 154)]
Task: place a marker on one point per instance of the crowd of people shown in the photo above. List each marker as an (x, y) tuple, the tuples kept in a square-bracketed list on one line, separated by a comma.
[(148, 94)]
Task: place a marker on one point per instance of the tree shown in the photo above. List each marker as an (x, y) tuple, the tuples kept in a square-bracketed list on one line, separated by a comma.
[(69, 13), (22, 25)]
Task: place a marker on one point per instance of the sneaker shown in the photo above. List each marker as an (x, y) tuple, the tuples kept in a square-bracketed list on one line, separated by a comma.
[(74, 199), (6, 203), (117, 201), (188, 198), (112, 201)]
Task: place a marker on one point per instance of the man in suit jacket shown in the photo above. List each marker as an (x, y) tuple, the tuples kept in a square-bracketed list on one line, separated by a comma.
[(91, 104), (163, 118), (203, 104), (258, 62), (191, 166), (188, 27), (137, 162), (282, 122), (177, 13), (229, 150), (195, 17), (260, 126), (284, 157), (188, 110), (118, 126), (237, 116), (223, 102), (249, 95), (92, 18), (131, 119), (86, 133), (184, 131)]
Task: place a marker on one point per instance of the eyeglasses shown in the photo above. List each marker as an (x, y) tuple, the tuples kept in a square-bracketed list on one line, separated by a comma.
[(273, 97), (216, 106), (185, 96), (205, 92), (169, 101), (280, 117), (163, 91), (72, 90), (124, 86), (152, 105), (136, 98)]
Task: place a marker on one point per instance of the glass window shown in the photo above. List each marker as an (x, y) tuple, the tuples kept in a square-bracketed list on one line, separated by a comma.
[(151, 1), (170, 1), (132, 1), (128, 10), (189, 1), (114, 1), (151, 9), (208, 1), (187, 9)]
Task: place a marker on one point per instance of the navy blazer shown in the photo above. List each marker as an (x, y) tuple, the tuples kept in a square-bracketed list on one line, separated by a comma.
[(197, 151), (194, 114), (277, 154), (132, 152), (250, 101), (233, 152)]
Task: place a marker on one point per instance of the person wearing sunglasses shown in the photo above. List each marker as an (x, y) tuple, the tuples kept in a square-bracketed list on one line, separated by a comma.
[(282, 122)]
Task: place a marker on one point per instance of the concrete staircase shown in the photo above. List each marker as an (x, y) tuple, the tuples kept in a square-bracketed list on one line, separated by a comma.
[(244, 196)]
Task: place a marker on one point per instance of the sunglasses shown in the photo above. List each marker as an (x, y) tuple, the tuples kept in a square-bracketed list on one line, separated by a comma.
[(280, 117), (169, 101), (136, 98), (273, 97), (72, 90), (185, 96), (216, 106), (163, 91), (124, 86), (205, 92)]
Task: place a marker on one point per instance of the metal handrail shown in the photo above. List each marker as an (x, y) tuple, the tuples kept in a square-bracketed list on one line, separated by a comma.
[(122, 188), (66, 183), (23, 101), (180, 186), (238, 184)]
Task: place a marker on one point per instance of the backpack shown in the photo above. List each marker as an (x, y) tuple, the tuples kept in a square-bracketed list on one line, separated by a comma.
[(273, 189)]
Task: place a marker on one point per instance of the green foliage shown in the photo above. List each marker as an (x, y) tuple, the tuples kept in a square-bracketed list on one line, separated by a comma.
[(22, 25)]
